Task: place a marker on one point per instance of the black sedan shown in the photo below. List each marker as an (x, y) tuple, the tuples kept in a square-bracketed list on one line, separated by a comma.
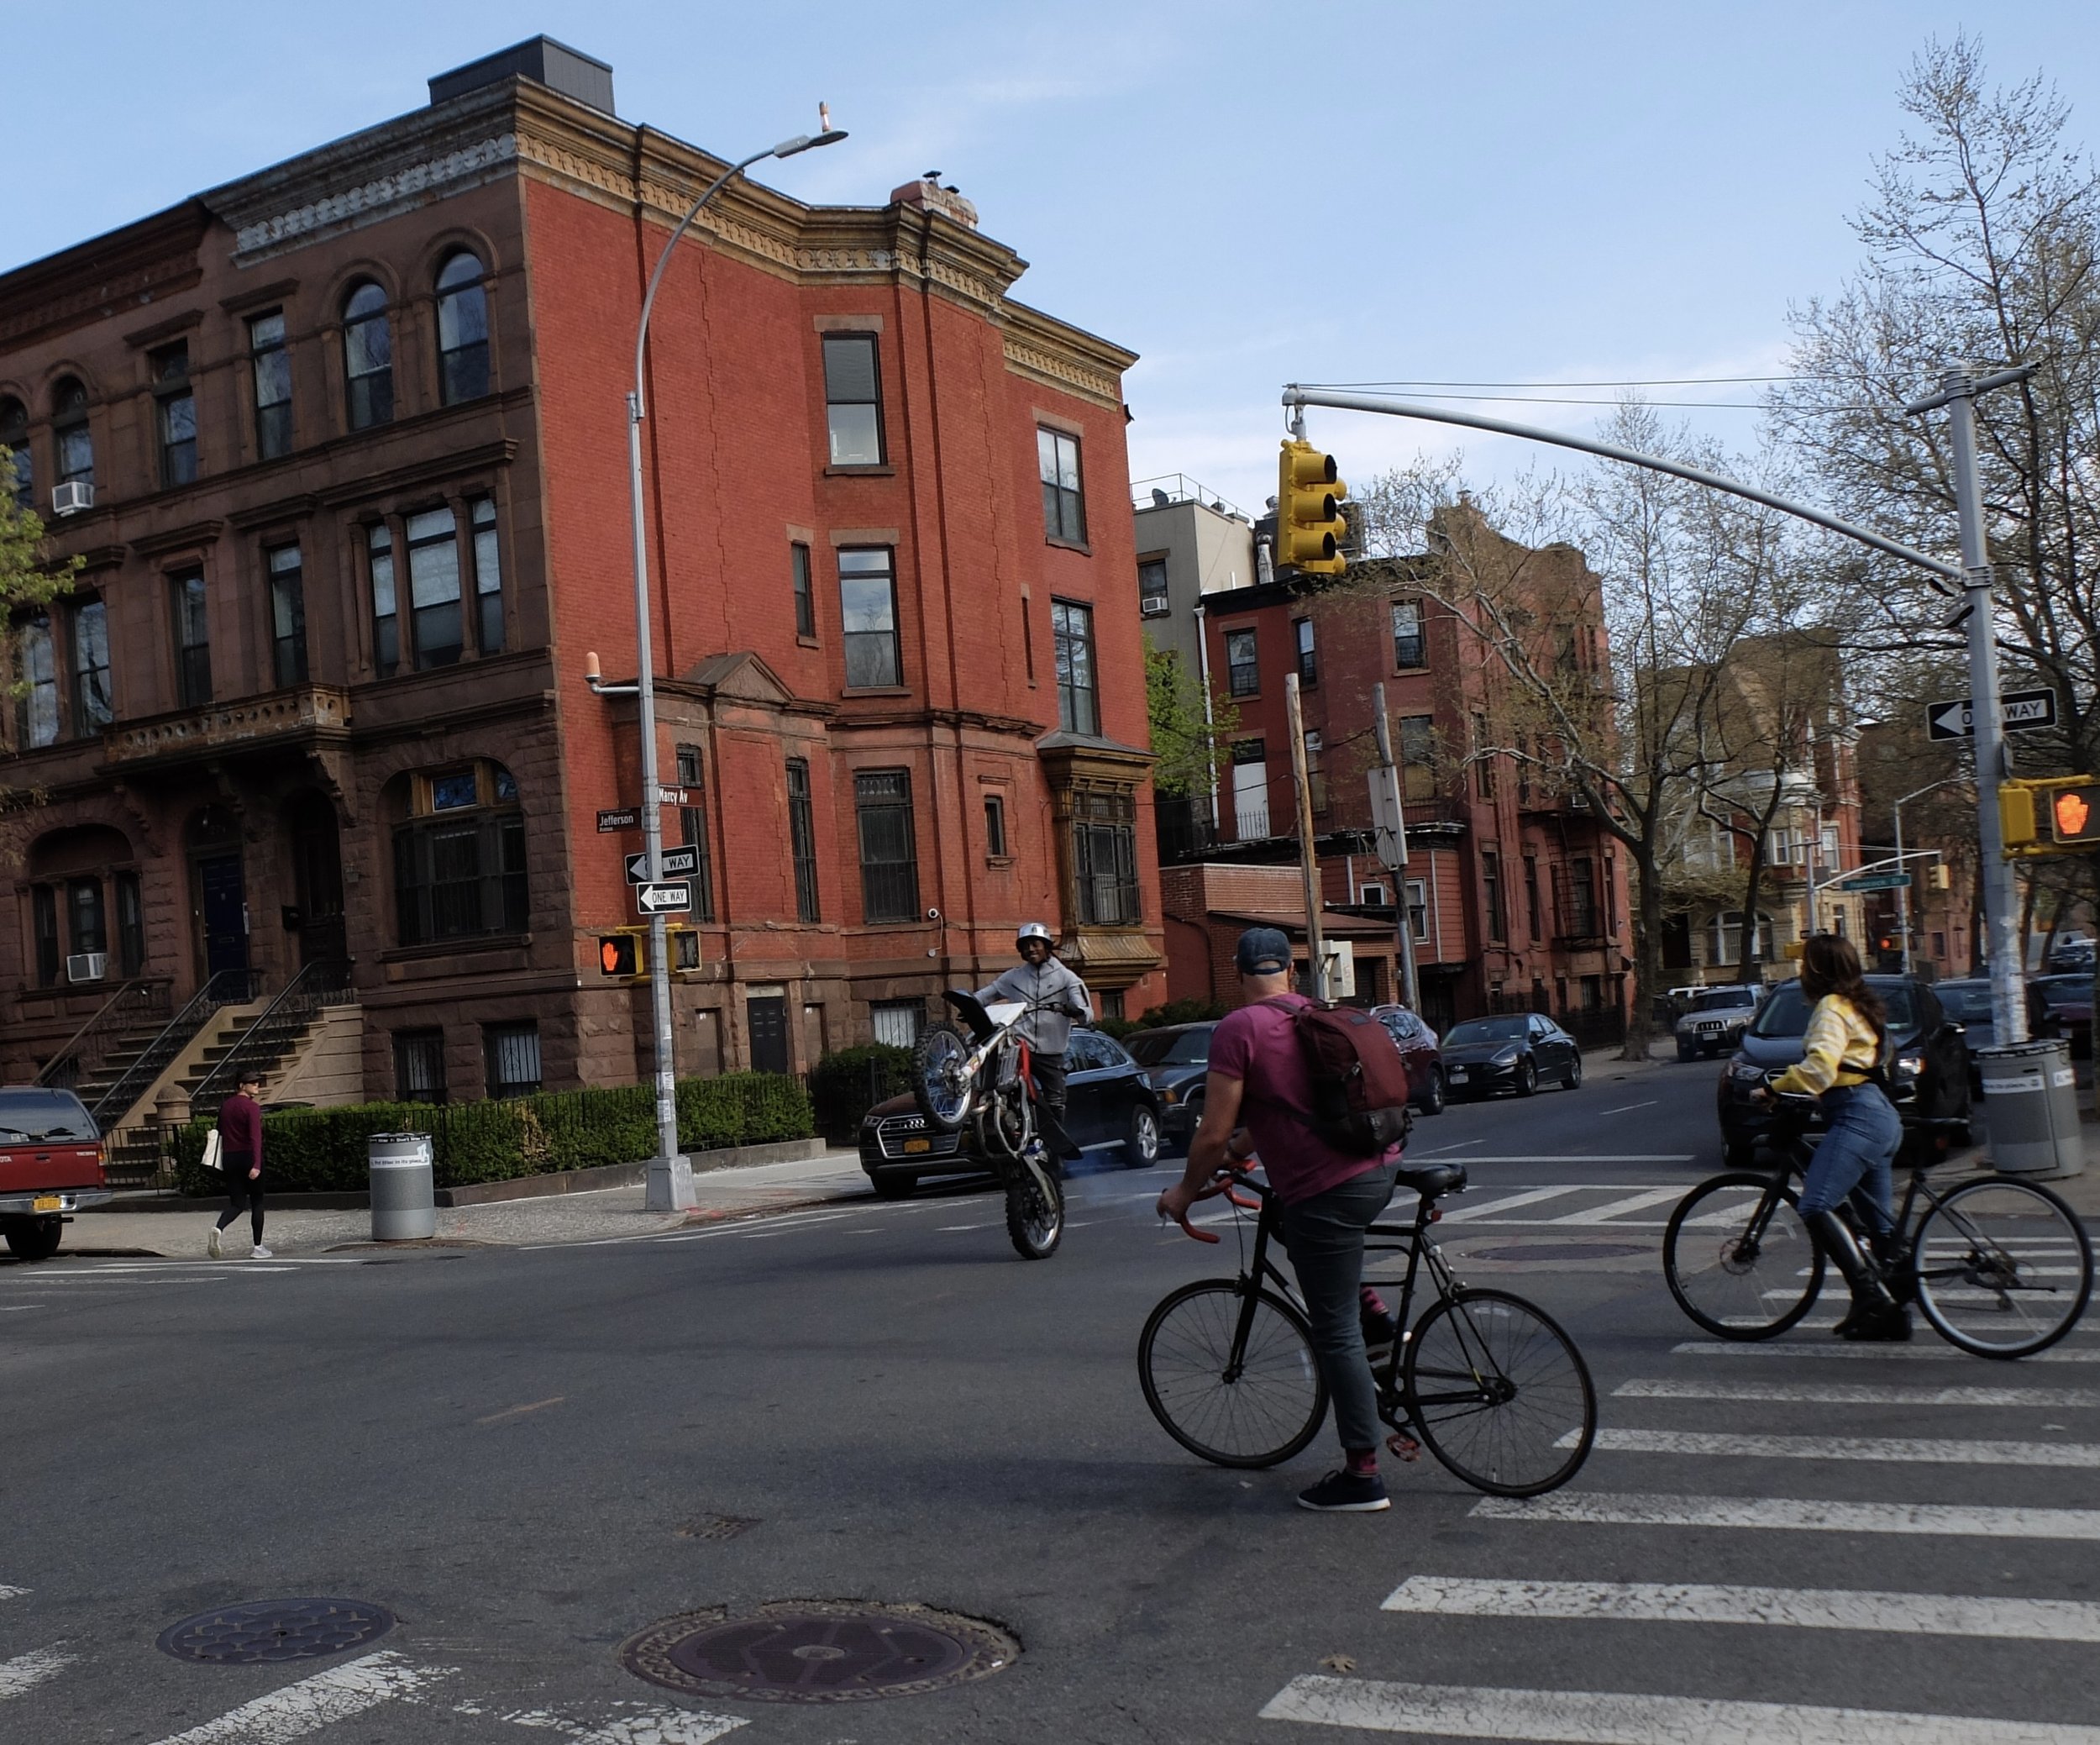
[(1927, 1064), (1518, 1051), (1176, 1059), (1108, 1105)]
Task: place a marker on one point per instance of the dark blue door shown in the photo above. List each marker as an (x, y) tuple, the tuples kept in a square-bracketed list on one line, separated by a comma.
[(225, 913)]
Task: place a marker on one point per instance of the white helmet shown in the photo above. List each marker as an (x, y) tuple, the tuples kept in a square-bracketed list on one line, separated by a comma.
[(1033, 930)]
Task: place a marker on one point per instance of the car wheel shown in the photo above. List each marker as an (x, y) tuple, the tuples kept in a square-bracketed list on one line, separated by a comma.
[(34, 1238), (1527, 1078), (1573, 1081), (895, 1187), (1140, 1149), (1431, 1100)]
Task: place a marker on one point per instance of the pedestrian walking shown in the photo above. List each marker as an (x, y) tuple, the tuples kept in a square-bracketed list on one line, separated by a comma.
[(1259, 1099), (240, 1157)]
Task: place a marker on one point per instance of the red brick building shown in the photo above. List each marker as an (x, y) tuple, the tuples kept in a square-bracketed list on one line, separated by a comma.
[(354, 430), (1515, 896)]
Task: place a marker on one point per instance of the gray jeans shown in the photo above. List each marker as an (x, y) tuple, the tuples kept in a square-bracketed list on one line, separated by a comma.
[(1324, 1237)]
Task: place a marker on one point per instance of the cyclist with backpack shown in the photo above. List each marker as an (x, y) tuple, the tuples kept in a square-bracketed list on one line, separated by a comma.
[(1286, 1081)]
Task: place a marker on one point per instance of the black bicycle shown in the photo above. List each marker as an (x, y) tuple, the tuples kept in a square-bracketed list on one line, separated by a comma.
[(2000, 1266), (1486, 1381)]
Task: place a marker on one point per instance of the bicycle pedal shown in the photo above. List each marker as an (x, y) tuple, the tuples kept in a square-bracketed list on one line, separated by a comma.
[(1405, 1447)]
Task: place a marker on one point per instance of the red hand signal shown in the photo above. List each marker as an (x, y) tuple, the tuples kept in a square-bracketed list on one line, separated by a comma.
[(2073, 813)]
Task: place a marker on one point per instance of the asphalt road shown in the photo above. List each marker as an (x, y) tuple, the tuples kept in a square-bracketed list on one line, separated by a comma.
[(528, 1457)]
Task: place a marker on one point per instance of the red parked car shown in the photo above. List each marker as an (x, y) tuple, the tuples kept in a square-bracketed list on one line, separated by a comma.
[(1417, 1043), (51, 1165)]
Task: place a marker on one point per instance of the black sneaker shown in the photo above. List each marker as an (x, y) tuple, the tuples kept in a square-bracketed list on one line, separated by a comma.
[(1377, 1335), (1347, 1493)]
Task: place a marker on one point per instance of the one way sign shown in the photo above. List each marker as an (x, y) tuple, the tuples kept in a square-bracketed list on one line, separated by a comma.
[(669, 898), (2019, 712), (677, 863)]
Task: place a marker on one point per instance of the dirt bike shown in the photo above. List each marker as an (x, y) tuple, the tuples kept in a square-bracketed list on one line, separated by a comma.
[(975, 1072)]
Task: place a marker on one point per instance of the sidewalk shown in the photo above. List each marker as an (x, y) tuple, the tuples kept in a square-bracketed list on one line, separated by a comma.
[(558, 1218)]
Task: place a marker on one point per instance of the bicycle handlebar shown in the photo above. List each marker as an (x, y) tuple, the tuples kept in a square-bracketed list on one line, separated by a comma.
[(1224, 1183)]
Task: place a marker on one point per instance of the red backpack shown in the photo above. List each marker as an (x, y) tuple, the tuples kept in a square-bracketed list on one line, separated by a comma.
[(1359, 1082)]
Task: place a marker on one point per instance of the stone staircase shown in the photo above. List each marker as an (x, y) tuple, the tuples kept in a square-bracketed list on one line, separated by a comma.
[(284, 1044), (126, 1049)]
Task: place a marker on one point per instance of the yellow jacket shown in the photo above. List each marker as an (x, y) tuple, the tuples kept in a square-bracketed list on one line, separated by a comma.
[(1839, 1049)]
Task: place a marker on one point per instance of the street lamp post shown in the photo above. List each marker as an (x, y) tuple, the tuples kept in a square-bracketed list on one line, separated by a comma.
[(670, 1181), (1902, 891)]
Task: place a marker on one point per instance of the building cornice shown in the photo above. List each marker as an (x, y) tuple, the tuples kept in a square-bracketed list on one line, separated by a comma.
[(92, 281)]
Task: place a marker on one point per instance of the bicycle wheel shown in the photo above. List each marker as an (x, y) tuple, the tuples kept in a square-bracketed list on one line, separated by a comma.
[(2003, 1268), (1740, 1266), (943, 1093), (1035, 1218), (1258, 1411), (1499, 1393)]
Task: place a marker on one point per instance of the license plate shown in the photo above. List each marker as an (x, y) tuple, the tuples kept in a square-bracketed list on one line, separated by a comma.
[(912, 1145), (1458, 1072), (46, 1203)]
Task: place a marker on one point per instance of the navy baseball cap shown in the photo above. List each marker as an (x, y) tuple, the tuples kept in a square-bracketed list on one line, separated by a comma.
[(1263, 951)]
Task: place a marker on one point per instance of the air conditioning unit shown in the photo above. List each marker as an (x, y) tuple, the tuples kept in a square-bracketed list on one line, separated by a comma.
[(86, 965), (72, 496), (1154, 606), (1372, 894)]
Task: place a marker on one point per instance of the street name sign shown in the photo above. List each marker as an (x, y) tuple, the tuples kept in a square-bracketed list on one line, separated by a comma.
[(1877, 881), (671, 797), (620, 817), (2019, 712), (673, 863), (665, 897)]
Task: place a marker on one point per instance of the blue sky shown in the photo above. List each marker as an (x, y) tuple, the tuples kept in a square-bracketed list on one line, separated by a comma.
[(1244, 193)]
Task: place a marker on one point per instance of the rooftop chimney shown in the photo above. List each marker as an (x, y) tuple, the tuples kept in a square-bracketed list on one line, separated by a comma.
[(929, 193), (541, 59)]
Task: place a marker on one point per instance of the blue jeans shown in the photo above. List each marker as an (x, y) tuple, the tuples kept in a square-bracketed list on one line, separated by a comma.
[(1324, 1237), (1864, 1132)]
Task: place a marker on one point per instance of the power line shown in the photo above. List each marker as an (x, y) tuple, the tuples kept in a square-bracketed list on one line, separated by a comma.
[(1660, 381)]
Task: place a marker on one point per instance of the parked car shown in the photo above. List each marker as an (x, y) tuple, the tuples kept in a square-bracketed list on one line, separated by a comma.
[(2071, 951), (1108, 1105), (1176, 1059), (1420, 1049), (1715, 1019), (1967, 1001), (2067, 1009), (1518, 1052), (51, 1165), (1928, 1066)]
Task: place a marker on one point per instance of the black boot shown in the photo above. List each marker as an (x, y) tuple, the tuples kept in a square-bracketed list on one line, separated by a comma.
[(1875, 1314)]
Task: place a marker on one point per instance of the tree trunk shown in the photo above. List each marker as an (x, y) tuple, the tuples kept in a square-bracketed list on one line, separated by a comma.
[(1746, 952), (1648, 946)]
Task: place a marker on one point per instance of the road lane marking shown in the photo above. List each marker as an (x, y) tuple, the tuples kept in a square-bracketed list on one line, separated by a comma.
[(10, 1593), (515, 1411), (1793, 1515), (1914, 1353), (1920, 1450), (1528, 1197), (1798, 1608), (1598, 1717), (1838, 1393), (1628, 1108), (644, 1726), (297, 1711), (1633, 1202), (25, 1672), (1585, 1157), (1437, 1151)]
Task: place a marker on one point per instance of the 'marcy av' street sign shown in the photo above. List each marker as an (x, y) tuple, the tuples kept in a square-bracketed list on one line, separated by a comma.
[(2019, 712)]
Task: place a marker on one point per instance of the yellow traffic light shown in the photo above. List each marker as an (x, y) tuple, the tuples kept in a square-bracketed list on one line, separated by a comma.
[(625, 953), (1310, 526), (2016, 815), (2041, 815)]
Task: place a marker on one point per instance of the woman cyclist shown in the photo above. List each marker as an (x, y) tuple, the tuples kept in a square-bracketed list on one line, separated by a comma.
[(1841, 1067)]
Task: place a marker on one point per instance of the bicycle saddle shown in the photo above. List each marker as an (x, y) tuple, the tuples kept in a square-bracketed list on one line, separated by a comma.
[(1432, 1179)]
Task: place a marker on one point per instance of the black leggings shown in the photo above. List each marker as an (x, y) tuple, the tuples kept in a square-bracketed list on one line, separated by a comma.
[(245, 1196)]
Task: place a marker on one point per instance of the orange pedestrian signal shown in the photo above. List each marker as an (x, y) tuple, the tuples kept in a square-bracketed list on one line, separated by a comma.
[(2074, 814), (619, 954)]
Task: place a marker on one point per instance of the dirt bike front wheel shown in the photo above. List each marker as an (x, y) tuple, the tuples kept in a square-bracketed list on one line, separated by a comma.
[(1035, 1214), (940, 1086)]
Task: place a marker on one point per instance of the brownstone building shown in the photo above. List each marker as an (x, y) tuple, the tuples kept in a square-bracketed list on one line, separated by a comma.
[(342, 446)]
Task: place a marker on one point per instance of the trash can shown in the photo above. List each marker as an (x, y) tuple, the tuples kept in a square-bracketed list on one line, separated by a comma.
[(404, 1204), (2031, 1101)]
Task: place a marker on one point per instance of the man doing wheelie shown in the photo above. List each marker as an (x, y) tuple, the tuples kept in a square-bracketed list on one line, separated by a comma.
[(1054, 998)]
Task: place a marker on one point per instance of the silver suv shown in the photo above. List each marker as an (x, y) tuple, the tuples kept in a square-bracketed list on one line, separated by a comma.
[(1717, 1019)]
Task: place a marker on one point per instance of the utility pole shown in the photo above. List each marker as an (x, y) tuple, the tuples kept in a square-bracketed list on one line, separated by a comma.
[(1902, 891), (1308, 852), (1393, 821), (1958, 389)]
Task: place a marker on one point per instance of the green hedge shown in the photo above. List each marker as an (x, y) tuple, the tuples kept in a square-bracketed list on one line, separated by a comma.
[(849, 1083), (323, 1150)]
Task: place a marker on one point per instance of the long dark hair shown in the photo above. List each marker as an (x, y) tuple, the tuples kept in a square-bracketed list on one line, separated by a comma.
[(1829, 965)]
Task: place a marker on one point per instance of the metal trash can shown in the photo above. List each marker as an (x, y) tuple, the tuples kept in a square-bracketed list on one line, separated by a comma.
[(404, 1203), (2031, 1101)]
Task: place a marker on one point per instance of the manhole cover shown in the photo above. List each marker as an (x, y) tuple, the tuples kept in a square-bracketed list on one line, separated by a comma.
[(817, 1651), (1559, 1251), (260, 1631)]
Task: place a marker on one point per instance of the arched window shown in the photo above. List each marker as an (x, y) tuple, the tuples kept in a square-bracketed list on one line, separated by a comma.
[(459, 855), (14, 438), (463, 330), (1725, 940), (70, 433), (368, 357)]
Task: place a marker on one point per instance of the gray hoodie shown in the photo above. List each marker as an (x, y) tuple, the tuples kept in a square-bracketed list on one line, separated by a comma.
[(1057, 995)]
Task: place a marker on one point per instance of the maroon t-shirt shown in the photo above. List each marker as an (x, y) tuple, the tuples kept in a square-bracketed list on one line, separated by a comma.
[(1258, 1045), (240, 1130)]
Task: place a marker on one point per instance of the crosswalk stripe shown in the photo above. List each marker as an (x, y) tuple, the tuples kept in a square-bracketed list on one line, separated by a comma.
[(1799, 1608), (1829, 1393), (1591, 1717), (1617, 1208), (1794, 1514), (10, 1593), (1919, 1450), (1914, 1353), (644, 1726), (25, 1672), (297, 1711), (1508, 1202)]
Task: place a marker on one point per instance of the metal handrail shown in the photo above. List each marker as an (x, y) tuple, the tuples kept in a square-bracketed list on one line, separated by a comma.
[(224, 989), (105, 1019), (325, 983)]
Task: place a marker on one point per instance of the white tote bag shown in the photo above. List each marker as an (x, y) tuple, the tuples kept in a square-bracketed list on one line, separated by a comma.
[(212, 1150)]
